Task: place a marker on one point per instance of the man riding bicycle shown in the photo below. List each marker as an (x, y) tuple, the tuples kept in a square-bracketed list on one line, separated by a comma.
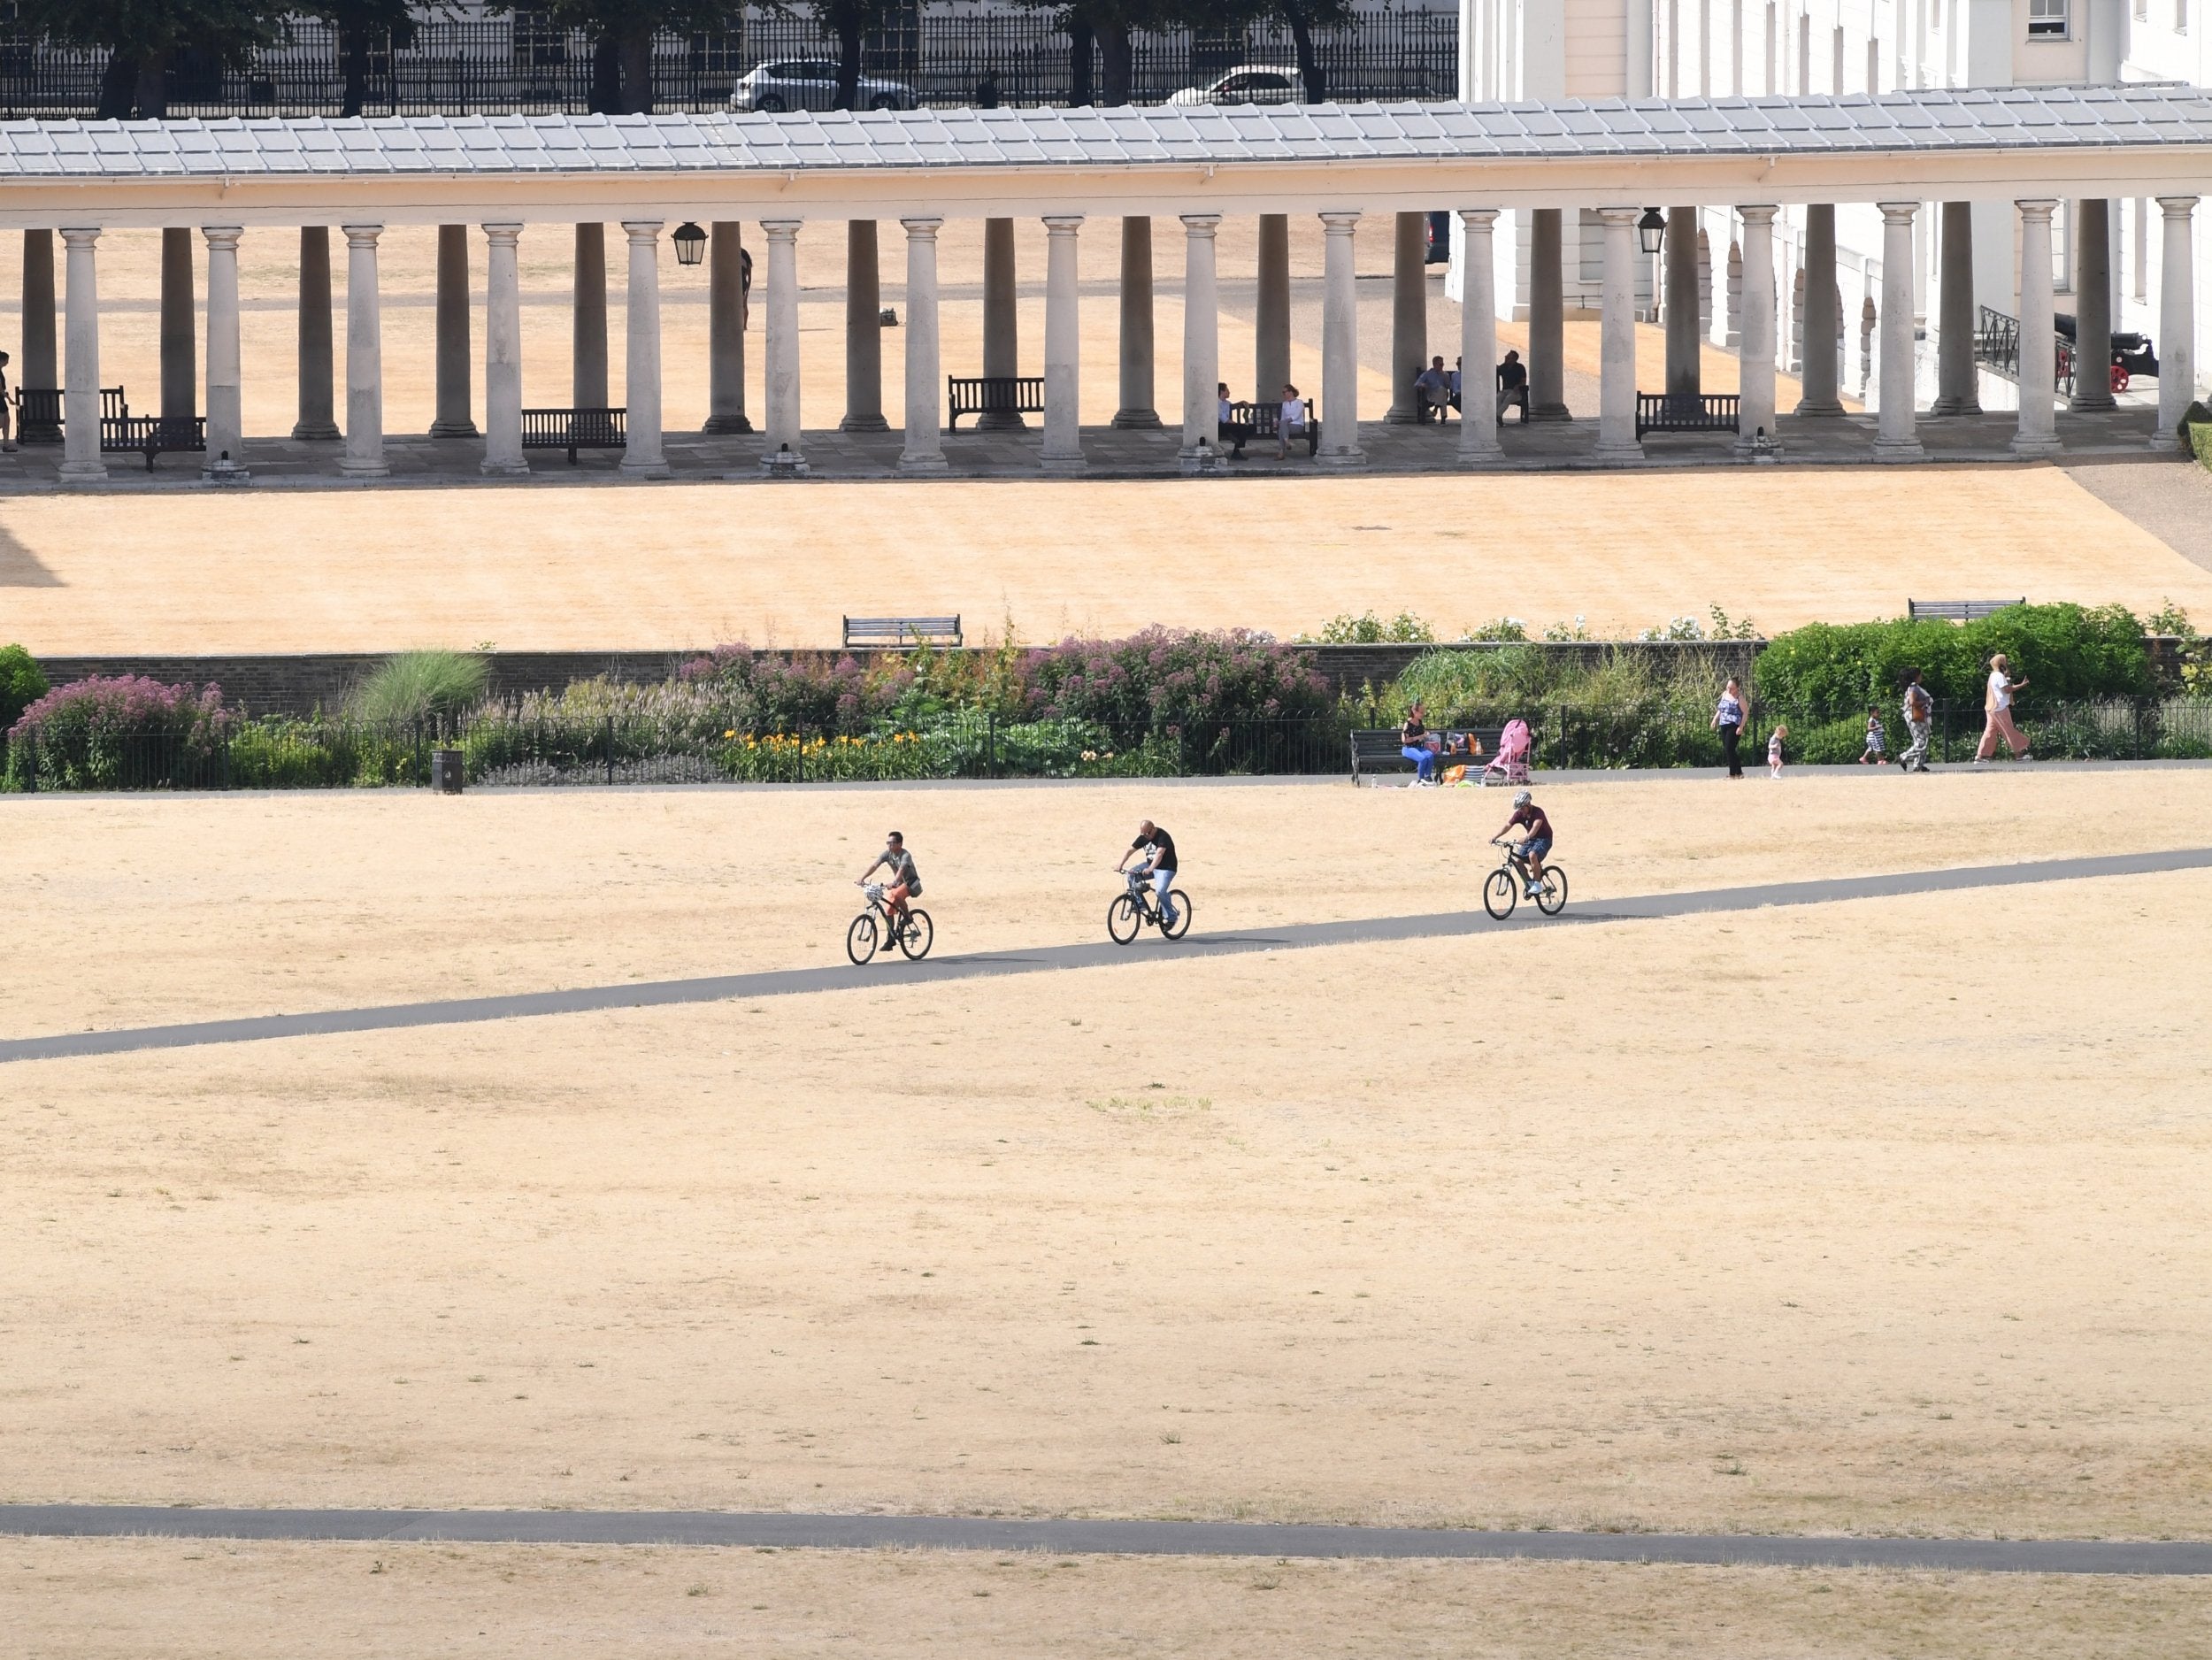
[(1159, 864), (906, 882), (1535, 843)]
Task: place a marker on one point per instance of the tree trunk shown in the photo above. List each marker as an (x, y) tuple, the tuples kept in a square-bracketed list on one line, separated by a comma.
[(848, 59), (605, 98), (637, 69), (355, 45), (1310, 74), (153, 86), (1080, 40), (1113, 43), (119, 87)]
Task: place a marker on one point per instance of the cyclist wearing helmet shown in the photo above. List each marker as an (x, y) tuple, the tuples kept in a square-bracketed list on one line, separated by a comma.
[(1536, 843)]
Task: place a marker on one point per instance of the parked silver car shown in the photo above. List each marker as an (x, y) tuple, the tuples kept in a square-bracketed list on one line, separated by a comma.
[(1247, 83), (811, 83)]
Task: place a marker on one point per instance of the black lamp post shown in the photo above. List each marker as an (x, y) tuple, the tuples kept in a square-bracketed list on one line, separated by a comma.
[(1651, 230), (691, 243)]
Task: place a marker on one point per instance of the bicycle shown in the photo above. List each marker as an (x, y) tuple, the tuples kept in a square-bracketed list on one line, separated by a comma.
[(873, 931), (1501, 891), (1129, 912)]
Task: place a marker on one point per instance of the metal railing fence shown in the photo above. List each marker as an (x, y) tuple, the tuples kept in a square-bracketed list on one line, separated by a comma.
[(520, 63)]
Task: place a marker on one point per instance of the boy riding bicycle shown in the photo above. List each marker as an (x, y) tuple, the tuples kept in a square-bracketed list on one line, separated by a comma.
[(906, 882), (1159, 864), (1534, 844)]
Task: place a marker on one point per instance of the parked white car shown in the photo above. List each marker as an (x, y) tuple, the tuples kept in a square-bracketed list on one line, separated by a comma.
[(811, 83), (1247, 83)]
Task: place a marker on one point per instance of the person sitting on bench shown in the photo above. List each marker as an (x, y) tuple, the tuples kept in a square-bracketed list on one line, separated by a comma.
[(1290, 421), (1512, 387), (1232, 433), (1432, 391)]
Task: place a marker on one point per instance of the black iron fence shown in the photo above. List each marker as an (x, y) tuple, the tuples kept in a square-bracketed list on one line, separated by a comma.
[(500, 749), (519, 62)]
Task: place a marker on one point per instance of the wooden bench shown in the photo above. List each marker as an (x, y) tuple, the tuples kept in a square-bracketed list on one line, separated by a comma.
[(574, 429), (124, 434), (1379, 749), (994, 395), (38, 415), (1957, 609), (1686, 413), (900, 632), (1260, 420)]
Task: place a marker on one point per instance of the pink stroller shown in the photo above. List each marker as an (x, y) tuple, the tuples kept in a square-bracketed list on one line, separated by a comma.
[(1509, 765)]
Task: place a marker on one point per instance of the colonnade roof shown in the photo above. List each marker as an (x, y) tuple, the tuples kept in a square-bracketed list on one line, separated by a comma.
[(2121, 140)]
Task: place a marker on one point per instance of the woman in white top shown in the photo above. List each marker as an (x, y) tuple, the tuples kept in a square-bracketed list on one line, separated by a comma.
[(1997, 707), (1289, 420)]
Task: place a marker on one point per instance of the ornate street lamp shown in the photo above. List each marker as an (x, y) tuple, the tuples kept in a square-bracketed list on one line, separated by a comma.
[(1651, 230), (691, 243)]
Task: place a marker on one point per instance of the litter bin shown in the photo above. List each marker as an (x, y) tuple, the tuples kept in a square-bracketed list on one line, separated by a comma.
[(446, 772)]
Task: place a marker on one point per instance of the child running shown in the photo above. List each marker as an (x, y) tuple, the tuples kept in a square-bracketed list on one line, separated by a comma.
[(1774, 751), (1877, 751)]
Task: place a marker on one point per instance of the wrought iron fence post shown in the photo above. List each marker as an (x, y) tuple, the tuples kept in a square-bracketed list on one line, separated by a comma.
[(990, 744), (422, 769), (608, 737), (30, 783)]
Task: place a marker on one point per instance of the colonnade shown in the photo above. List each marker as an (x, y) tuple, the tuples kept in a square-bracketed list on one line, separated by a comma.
[(922, 452)]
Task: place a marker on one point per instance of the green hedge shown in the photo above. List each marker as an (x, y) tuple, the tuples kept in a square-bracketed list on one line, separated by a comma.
[(2065, 651)]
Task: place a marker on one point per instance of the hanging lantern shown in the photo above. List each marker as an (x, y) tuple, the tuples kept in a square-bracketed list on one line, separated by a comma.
[(691, 244)]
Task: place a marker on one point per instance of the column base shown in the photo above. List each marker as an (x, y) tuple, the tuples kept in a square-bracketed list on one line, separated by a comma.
[(864, 424), (1955, 407), (462, 428), (83, 473), (504, 469), (1807, 409), (317, 432), (353, 469), (922, 465), (2033, 449), (1550, 412), (2103, 405), (644, 467), (1143, 420), (1065, 466), (1000, 422), (1402, 415), (1342, 458), (1620, 455), (727, 424), (784, 464), (1899, 449)]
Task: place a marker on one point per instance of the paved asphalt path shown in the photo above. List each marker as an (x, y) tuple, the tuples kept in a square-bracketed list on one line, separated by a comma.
[(1102, 1538), (933, 971)]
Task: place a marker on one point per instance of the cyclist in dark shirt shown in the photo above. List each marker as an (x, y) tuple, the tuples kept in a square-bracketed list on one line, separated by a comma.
[(1159, 864), (1536, 843)]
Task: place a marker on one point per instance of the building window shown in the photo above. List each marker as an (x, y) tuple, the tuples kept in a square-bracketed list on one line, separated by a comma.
[(2048, 19)]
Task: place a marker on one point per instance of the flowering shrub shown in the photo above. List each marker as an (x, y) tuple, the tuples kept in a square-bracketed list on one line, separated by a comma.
[(808, 693), (130, 733), (781, 758), (1190, 682)]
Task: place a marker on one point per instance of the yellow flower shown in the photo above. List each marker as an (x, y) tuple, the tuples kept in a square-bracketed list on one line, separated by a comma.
[(730, 734)]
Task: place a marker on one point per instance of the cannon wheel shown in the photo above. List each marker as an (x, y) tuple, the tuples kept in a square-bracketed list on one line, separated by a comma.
[(2119, 378)]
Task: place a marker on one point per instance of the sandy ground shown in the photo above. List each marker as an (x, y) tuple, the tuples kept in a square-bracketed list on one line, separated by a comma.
[(1881, 1217), (111, 1601), (142, 908), (693, 565)]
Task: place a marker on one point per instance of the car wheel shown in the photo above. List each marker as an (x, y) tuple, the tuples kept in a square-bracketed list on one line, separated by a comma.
[(883, 101), (769, 104)]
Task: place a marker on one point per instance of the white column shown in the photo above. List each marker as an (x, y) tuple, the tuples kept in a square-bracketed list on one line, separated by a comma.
[(1617, 340), (1063, 346), (924, 447), (80, 366), (1755, 349), (503, 354), (225, 418), (2039, 348), (782, 358), (1896, 428), (1478, 341), (1202, 338), (364, 457), (1339, 345), (641, 456), (2177, 319)]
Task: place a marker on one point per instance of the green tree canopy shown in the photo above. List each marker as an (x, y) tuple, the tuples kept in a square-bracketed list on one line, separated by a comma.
[(622, 35), (142, 35), (363, 26)]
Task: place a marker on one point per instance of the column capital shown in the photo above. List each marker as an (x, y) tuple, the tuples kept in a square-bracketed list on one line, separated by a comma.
[(1899, 212), (223, 235), (80, 237), (782, 230), (1341, 220), (1200, 224), (2036, 207), (922, 230), (362, 235), (1627, 216), (2177, 207), (638, 230), (1063, 224), (508, 233), (1759, 213), (1478, 218)]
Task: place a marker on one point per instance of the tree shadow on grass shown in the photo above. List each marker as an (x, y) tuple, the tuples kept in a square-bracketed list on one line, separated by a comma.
[(19, 567)]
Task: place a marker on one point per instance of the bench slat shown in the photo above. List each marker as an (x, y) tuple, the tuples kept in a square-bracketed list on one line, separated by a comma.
[(993, 395), (903, 631), (1957, 609), (1686, 412)]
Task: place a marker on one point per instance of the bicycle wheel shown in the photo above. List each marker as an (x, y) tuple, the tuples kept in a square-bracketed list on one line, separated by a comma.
[(1181, 925), (1500, 894), (860, 939), (1124, 917), (917, 936), (1553, 899)]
